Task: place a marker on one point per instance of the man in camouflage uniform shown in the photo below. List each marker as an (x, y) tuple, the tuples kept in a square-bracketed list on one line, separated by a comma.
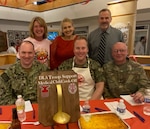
[(90, 77), (124, 76), (21, 77)]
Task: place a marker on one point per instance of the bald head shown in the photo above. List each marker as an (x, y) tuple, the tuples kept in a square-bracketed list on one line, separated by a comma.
[(26, 53), (29, 43), (119, 45)]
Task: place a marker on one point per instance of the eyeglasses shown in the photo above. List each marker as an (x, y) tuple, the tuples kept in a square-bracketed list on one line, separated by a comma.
[(121, 50)]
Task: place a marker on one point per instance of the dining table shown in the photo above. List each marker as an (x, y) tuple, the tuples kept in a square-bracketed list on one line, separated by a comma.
[(32, 116)]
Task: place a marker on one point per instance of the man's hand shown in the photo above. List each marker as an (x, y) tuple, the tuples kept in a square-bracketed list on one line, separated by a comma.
[(138, 97)]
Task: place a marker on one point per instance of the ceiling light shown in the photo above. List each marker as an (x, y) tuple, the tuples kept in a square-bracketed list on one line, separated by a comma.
[(40, 2), (35, 2)]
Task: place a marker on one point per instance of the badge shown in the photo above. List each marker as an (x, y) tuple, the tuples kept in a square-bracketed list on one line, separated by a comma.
[(72, 88), (44, 90)]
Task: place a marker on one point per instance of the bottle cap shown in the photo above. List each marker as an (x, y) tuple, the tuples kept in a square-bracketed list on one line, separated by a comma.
[(86, 102), (19, 96)]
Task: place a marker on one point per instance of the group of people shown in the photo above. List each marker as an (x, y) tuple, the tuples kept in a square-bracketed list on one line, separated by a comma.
[(114, 75)]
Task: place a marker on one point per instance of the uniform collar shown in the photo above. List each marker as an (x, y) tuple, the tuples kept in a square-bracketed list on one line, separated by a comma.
[(85, 65)]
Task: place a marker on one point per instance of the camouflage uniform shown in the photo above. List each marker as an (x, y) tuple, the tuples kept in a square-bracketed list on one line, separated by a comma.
[(125, 79), (16, 80), (95, 69)]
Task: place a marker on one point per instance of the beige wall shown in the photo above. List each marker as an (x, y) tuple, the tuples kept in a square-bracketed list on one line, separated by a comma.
[(124, 17), (75, 11)]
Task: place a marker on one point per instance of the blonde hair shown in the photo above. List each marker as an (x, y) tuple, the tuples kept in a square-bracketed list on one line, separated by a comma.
[(65, 20), (42, 23), (80, 37)]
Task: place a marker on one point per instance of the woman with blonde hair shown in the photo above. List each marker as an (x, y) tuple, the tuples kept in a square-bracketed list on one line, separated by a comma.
[(62, 47), (38, 36)]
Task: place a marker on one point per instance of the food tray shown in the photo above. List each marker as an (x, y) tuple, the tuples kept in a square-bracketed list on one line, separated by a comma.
[(102, 120), (4, 125)]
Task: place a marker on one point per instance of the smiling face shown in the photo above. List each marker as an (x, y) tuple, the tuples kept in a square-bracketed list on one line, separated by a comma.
[(80, 50), (67, 29), (38, 31), (104, 20), (119, 53), (38, 28), (26, 53)]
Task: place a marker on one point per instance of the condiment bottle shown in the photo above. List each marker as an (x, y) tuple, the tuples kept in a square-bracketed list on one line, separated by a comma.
[(16, 124)]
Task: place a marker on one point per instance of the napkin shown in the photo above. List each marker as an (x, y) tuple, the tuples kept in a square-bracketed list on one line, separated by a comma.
[(130, 100), (28, 106), (113, 107), (81, 109)]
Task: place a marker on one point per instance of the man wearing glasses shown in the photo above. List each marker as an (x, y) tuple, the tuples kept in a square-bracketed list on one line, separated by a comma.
[(124, 76)]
